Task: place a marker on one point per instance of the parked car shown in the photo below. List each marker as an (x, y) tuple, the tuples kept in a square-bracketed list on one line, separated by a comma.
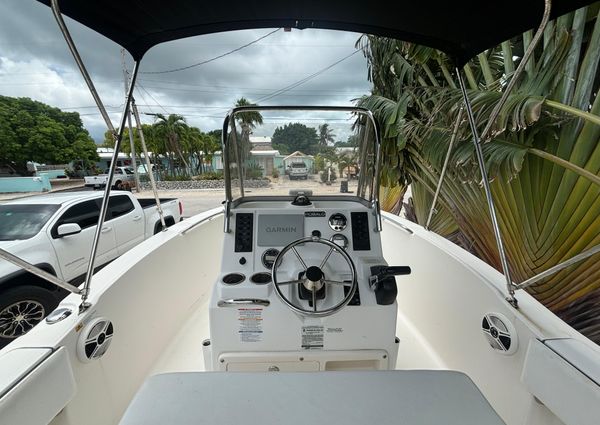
[(298, 170), (55, 232), (123, 178)]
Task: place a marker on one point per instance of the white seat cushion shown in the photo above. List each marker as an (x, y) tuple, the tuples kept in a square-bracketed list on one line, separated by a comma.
[(420, 397)]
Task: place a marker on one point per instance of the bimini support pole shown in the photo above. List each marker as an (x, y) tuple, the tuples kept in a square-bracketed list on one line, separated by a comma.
[(138, 124), (560, 266), (510, 286), (131, 141), (488, 194), (444, 167), (117, 136), (11, 258)]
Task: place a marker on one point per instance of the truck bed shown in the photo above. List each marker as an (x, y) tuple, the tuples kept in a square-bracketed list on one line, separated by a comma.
[(151, 202)]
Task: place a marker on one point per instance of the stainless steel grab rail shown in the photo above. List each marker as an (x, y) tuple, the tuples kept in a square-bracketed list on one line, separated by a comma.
[(243, 301)]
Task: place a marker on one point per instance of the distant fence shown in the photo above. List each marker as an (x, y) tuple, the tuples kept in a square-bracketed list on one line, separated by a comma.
[(53, 174), (24, 184), (52, 167)]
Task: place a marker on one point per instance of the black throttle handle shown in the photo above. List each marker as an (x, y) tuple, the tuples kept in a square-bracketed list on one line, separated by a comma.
[(383, 283), (394, 271)]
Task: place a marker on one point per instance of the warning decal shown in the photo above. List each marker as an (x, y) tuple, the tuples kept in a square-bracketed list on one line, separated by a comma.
[(250, 320), (312, 337)]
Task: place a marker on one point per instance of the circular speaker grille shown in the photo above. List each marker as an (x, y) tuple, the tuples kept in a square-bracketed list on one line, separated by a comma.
[(499, 332), (94, 340)]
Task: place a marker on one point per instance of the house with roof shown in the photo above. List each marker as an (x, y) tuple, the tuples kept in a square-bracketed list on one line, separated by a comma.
[(262, 154), (298, 157)]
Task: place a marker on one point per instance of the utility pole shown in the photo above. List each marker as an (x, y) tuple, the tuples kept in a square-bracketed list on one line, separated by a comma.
[(131, 143)]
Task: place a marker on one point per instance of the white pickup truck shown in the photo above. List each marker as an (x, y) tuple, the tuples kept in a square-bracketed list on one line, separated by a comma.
[(55, 232), (122, 179)]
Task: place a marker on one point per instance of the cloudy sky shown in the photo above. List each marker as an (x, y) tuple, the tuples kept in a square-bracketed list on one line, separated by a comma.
[(296, 68)]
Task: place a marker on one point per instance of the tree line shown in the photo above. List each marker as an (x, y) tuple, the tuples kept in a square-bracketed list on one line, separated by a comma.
[(187, 149), (34, 131)]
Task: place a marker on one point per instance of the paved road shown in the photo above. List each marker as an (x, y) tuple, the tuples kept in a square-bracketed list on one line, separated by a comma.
[(194, 201), (197, 201)]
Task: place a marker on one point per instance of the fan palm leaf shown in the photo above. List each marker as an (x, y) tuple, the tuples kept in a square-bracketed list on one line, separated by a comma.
[(542, 153)]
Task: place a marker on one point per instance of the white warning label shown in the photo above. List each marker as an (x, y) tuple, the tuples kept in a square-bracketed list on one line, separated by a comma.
[(250, 322), (312, 337)]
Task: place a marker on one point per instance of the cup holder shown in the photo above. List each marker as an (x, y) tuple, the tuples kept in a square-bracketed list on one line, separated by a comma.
[(233, 278), (261, 278)]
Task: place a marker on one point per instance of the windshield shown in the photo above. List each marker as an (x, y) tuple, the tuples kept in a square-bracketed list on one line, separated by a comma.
[(23, 221), (317, 150)]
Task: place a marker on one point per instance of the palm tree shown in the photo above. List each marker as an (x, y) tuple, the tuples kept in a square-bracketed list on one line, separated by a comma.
[(543, 153), (202, 146), (247, 121), (325, 135), (173, 129)]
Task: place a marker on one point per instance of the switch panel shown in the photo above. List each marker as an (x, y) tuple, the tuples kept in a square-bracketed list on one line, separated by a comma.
[(360, 231), (243, 232)]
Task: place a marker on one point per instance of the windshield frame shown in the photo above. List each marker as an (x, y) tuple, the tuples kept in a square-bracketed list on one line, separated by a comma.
[(230, 122)]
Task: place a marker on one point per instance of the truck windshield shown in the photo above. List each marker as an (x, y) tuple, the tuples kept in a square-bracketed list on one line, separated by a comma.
[(23, 221)]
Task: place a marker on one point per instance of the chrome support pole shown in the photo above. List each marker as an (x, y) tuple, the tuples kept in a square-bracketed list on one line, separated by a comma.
[(105, 198), (133, 161), (237, 151), (377, 180), (11, 258), (65, 32), (534, 41), (138, 124), (444, 167), (579, 257), (510, 287), (131, 141), (226, 174), (225, 156), (117, 135)]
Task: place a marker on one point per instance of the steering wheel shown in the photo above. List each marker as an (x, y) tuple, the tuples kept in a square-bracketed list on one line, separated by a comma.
[(314, 279)]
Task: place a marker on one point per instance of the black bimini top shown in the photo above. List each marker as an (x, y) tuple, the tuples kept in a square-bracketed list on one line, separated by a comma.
[(460, 28)]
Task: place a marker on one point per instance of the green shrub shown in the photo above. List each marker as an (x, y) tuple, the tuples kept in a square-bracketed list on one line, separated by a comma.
[(324, 175), (254, 171), (210, 175)]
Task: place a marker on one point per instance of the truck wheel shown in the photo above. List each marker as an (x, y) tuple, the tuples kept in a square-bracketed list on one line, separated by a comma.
[(22, 308)]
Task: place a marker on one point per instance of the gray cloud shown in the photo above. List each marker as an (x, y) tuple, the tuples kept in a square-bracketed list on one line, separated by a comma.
[(35, 62)]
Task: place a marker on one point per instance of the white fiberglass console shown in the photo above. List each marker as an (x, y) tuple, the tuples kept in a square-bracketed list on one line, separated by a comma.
[(299, 289)]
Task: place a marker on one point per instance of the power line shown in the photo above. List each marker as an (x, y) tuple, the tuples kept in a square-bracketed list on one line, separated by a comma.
[(152, 97), (250, 93), (304, 80), (179, 83), (212, 59)]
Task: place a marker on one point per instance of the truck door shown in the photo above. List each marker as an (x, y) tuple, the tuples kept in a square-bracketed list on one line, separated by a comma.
[(73, 251), (127, 220)]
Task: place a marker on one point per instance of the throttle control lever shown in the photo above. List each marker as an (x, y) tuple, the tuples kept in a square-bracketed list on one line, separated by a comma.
[(386, 272), (383, 283)]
